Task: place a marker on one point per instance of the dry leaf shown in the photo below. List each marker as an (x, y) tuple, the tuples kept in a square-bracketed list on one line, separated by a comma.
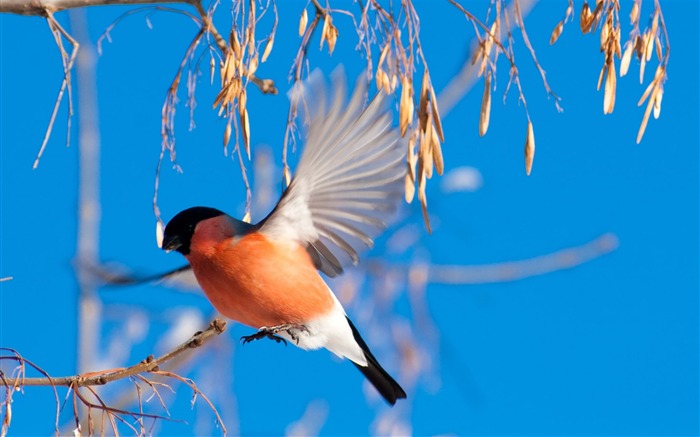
[(529, 148)]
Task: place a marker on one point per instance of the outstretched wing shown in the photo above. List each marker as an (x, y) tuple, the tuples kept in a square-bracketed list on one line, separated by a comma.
[(111, 275), (349, 177)]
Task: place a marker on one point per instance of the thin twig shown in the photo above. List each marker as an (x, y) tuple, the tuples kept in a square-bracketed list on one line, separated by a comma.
[(57, 31)]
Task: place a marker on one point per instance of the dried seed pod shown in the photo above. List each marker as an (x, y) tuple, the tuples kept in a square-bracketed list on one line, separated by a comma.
[(485, 114), (268, 47), (610, 86), (634, 14), (585, 18), (423, 104), (409, 188), (386, 84), (626, 58), (332, 37), (411, 156), (324, 30), (647, 92), (159, 233), (659, 50), (642, 65), (657, 102), (601, 76), (649, 47), (426, 154), (436, 151), (529, 148), (245, 124), (212, 70), (405, 105), (424, 201), (383, 55), (235, 44), (645, 118), (242, 101), (252, 66), (227, 134), (379, 77), (287, 175), (556, 32), (302, 22), (604, 34), (436, 114), (639, 46)]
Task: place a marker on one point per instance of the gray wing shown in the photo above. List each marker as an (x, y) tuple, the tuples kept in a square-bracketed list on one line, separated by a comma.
[(349, 178)]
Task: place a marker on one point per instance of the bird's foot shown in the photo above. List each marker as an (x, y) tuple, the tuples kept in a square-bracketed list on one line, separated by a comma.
[(271, 332)]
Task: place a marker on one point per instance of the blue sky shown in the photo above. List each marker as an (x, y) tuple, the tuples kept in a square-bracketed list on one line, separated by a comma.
[(607, 348)]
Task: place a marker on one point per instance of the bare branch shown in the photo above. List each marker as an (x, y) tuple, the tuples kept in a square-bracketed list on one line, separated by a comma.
[(58, 32), (150, 364), (516, 270), (41, 8)]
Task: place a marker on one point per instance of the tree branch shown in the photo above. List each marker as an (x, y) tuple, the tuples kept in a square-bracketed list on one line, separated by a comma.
[(41, 7), (150, 364), (515, 270)]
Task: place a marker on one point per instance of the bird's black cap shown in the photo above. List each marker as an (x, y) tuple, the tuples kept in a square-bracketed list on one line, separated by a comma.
[(178, 232)]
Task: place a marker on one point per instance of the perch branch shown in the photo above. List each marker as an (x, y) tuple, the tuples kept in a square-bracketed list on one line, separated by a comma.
[(150, 364)]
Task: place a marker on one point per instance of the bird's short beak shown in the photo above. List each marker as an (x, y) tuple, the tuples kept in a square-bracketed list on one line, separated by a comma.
[(171, 243)]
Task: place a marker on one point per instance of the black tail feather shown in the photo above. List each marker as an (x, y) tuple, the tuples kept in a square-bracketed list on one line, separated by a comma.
[(380, 379)]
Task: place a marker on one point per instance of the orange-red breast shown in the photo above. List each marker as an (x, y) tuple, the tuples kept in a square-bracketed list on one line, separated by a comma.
[(266, 275)]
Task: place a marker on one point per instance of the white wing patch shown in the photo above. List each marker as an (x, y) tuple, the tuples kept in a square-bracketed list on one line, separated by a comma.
[(349, 178)]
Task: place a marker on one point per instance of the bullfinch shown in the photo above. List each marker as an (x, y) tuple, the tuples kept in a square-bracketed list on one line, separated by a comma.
[(266, 276)]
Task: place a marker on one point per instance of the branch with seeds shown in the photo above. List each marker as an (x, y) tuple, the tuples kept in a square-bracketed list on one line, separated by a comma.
[(605, 18)]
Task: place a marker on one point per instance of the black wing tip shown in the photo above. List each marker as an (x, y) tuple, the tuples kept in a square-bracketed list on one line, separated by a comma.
[(387, 386)]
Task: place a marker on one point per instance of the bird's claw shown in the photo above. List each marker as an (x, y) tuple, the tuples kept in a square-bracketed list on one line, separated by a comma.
[(262, 334), (271, 333)]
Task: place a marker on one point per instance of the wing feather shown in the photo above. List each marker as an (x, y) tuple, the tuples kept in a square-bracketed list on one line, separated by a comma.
[(349, 178)]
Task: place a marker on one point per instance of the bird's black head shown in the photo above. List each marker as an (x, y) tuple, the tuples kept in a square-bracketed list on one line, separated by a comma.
[(178, 232)]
